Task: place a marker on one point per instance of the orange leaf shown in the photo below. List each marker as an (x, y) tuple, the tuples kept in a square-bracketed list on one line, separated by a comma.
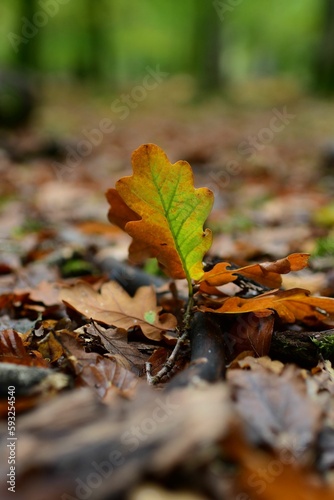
[(113, 306), (267, 273), (119, 214), (290, 305), (161, 210)]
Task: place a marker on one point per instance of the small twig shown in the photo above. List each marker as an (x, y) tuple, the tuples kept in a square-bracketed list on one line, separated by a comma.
[(169, 364)]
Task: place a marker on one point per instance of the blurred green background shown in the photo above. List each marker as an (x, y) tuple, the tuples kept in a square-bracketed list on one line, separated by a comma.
[(218, 42)]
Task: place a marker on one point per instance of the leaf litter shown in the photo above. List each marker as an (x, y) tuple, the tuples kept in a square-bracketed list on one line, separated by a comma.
[(265, 431)]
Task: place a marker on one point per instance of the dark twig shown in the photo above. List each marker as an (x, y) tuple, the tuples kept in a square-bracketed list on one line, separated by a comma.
[(169, 364)]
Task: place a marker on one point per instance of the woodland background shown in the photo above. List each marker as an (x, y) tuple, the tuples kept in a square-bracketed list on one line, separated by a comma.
[(243, 90)]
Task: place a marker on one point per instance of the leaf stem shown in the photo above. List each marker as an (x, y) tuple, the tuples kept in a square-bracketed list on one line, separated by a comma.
[(187, 313)]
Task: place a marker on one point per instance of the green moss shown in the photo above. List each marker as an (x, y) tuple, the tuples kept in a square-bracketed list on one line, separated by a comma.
[(29, 226), (325, 346), (76, 267), (152, 267), (236, 222)]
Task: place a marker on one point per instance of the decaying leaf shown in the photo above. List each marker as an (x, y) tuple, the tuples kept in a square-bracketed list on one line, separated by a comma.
[(115, 342), (251, 332), (161, 210), (45, 292), (271, 407), (267, 273), (265, 475), (290, 305), (13, 350), (106, 373), (113, 306)]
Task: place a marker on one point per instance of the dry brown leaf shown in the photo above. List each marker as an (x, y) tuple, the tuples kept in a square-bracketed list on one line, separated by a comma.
[(268, 476), (276, 409), (45, 292), (13, 350), (251, 332), (151, 491), (249, 362), (50, 347), (115, 342), (291, 305), (113, 306), (106, 373), (267, 273)]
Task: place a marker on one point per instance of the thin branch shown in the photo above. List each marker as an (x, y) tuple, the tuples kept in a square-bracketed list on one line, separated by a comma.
[(169, 364)]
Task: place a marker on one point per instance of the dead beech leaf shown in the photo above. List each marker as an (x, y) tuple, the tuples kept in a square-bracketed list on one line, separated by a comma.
[(290, 305), (13, 350), (113, 306), (267, 273)]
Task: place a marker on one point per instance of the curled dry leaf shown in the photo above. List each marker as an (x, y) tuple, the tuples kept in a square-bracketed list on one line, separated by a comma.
[(13, 350), (291, 305), (161, 210), (267, 273), (113, 306)]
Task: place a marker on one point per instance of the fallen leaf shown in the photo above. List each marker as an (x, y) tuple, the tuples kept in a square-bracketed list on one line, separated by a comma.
[(151, 491), (273, 476), (249, 362), (161, 210), (115, 342), (252, 332), (267, 273), (106, 373), (45, 292), (271, 407), (113, 306), (13, 350), (50, 347), (291, 305)]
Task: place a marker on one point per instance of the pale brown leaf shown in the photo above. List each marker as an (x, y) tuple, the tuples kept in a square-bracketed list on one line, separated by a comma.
[(113, 306)]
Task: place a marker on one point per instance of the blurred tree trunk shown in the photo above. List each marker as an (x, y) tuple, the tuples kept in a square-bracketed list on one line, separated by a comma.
[(98, 55), (207, 47), (324, 67), (28, 41)]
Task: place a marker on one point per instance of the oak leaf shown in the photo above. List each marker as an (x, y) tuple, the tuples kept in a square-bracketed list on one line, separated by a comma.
[(161, 210), (267, 273), (113, 306), (290, 305)]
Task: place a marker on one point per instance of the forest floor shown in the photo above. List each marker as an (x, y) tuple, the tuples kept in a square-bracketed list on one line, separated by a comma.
[(88, 425)]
